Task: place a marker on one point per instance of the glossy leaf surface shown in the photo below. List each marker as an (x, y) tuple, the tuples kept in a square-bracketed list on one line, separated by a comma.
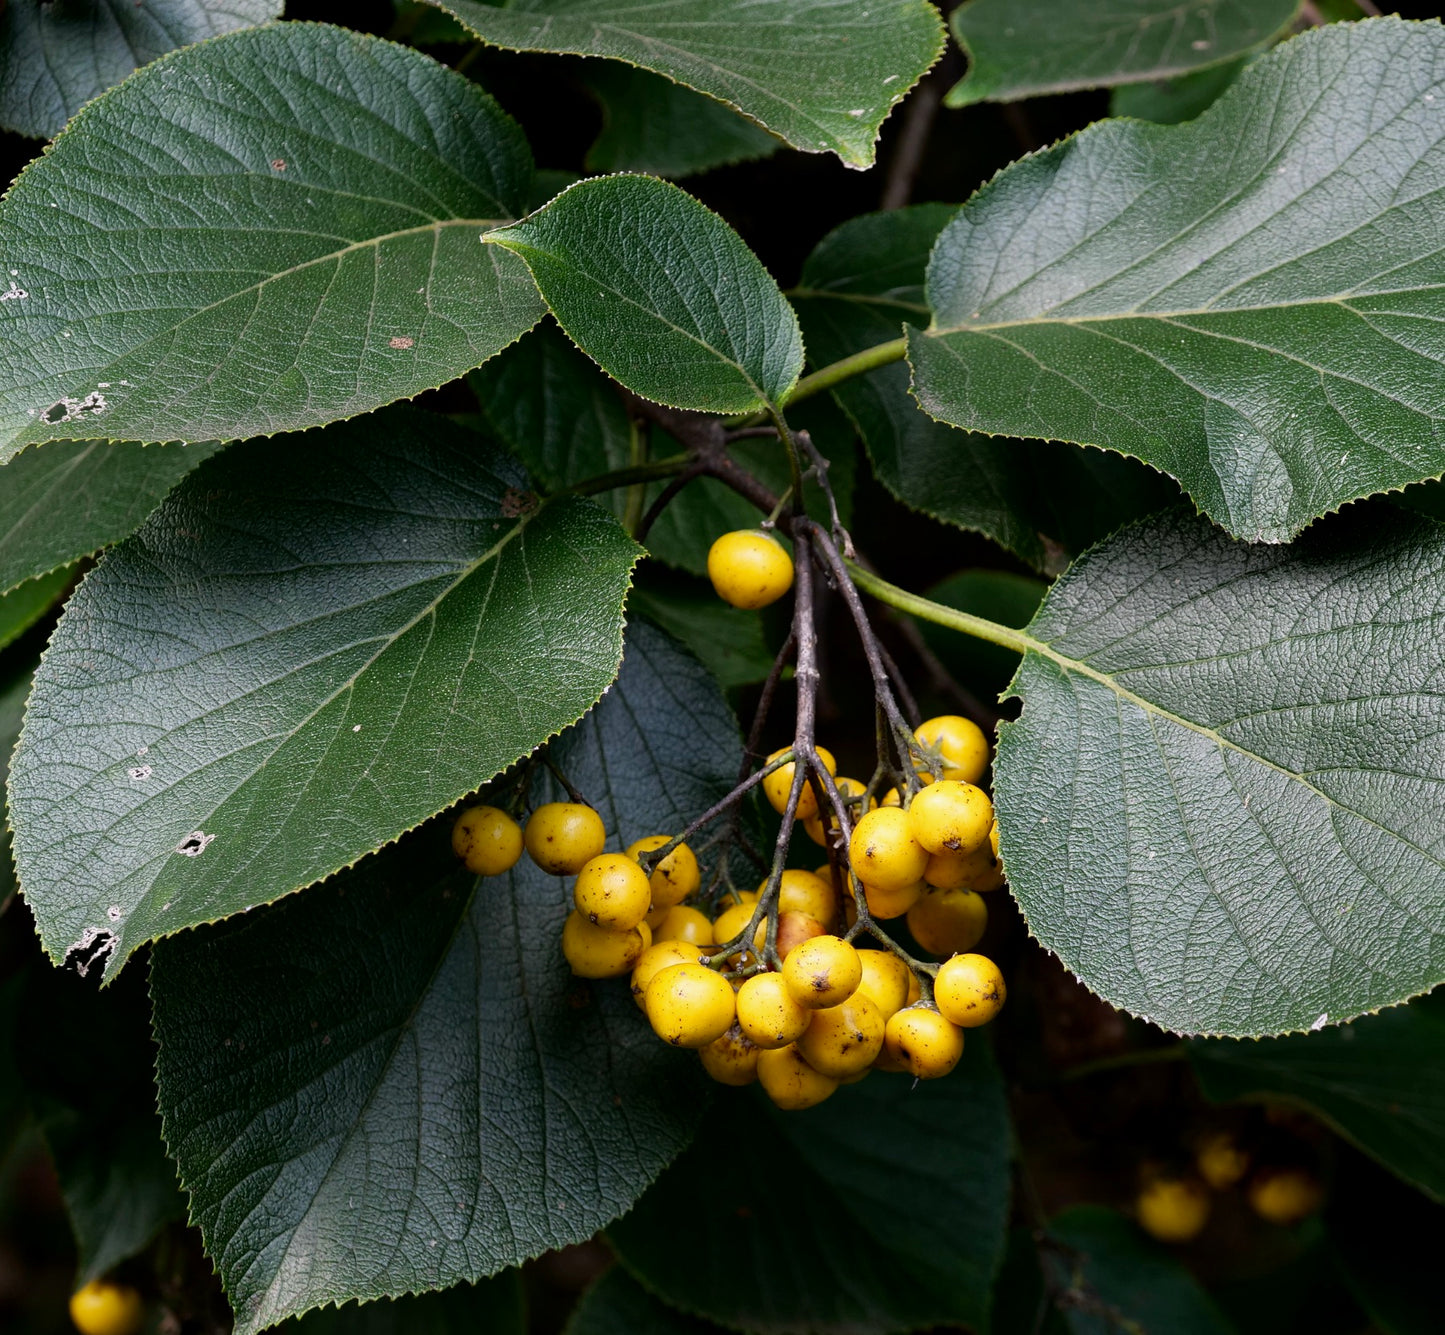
[(312, 646), (313, 198)]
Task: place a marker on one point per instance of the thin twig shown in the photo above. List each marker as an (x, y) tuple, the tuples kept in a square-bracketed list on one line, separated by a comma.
[(665, 498)]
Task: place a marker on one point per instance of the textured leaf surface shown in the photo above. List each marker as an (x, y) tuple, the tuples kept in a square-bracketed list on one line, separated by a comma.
[(618, 1305), (74, 497), (14, 688), (1246, 301), (401, 1084), (860, 56), (662, 294), (1041, 500), (650, 124), (1024, 48), (310, 647), (55, 57), (313, 198), (491, 1307), (1378, 1081), (837, 1251), (1224, 804)]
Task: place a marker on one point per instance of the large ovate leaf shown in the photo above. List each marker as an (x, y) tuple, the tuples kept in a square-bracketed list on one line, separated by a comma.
[(1024, 48), (1041, 500), (822, 74), (74, 497), (728, 640), (491, 1307), (1246, 301), (312, 199), (1378, 1081), (14, 688), (401, 1085), (1223, 807), (662, 294), (313, 645), (890, 1215), (1174, 101), (55, 57)]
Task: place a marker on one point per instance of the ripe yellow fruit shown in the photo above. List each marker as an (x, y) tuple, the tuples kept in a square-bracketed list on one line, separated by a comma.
[(683, 923), (948, 922), (731, 1059), (749, 568), (103, 1308), (957, 871), (960, 745), (767, 1012), (596, 952), (885, 904), (922, 1041), (818, 824), (790, 1082), (612, 891), (1285, 1195), (1173, 1209), (969, 990), (843, 1040), (884, 852), (808, 892), (1220, 1161), (730, 922), (563, 837), (488, 840), (675, 877), (993, 837), (689, 1005), (656, 958), (779, 784), (822, 972), (885, 981), (793, 930), (951, 817), (991, 878)]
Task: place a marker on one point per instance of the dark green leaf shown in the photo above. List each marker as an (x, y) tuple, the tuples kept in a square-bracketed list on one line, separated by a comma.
[(88, 1069), (1246, 301), (996, 595), (74, 497), (662, 294), (890, 1215), (1022, 48), (25, 604), (313, 198), (13, 693), (55, 57), (1041, 500), (1112, 1278), (1224, 804), (822, 74), (727, 639), (401, 1085), (618, 1305), (1173, 101), (313, 645), (490, 1307), (1378, 1081), (650, 124)]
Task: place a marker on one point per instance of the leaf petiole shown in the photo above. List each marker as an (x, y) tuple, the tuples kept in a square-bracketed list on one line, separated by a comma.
[(979, 627)]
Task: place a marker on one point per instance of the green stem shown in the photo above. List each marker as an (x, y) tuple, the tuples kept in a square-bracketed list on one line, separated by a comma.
[(626, 477), (940, 615), (860, 363)]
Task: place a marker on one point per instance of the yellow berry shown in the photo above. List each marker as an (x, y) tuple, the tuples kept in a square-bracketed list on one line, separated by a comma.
[(843, 1040), (1220, 1161), (789, 1081), (488, 840), (779, 784), (969, 990), (988, 880), (885, 981), (793, 930), (731, 922), (689, 1005), (658, 957), (103, 1308), (915, 989), (948, 922), (808, 892), (951, 817), (683, 923), (959, 743), (731, 1059), (612, 891), (820, 822), (885, 904), (1172, 1209), (822, 972), (675, 877), (922, 1041), (884, 852), (957, 871), (749, 568), (1285, 1195), (596, 952), (767, 1012), (563, 837), (993, 837)]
